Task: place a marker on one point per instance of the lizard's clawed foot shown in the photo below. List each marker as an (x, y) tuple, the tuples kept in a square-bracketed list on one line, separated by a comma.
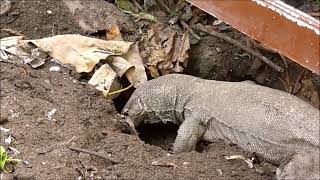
[(128, 124)]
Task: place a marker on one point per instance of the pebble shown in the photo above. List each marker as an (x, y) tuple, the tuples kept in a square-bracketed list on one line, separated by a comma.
[(260, 171), (54, 69)]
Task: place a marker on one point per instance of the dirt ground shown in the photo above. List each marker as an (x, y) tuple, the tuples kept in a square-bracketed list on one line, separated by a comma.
[(49, 113)]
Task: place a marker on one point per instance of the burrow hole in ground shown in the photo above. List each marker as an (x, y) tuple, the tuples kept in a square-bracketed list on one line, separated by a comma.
[(163, 135), (157, 134)]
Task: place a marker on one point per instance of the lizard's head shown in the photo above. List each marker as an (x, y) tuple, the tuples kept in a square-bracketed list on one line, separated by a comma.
[(135, 110)]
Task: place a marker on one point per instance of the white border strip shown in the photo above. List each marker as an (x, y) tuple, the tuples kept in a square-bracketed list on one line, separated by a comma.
[(291, 13)]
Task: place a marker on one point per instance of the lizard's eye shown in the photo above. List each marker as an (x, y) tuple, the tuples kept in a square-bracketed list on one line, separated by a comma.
[(140, 103)]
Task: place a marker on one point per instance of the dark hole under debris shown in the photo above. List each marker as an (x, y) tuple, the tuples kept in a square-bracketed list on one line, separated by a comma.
[(158, 134), (163, 135)]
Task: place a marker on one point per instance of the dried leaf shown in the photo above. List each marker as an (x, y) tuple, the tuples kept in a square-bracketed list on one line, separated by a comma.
[(80, 51), (181, 48), (10, 47), (156, 56), (153, 71), (136, 76), (166, 50), (309, 92), (119, 65), (105, 80), (83, 53), (168, 45), (14, 48), (114, 34)]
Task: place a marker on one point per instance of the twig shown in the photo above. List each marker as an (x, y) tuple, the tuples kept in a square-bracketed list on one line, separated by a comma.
[(137, 5), (120, 90), (164, 164), (284, 60), (185, 25), (13, 32), (164, 6), (238, 44), (286, 84), (314, 14), (299, 77), (52, 30), (93, 153), (55, 146)]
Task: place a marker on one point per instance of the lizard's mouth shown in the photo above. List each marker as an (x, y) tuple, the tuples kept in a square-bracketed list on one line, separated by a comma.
[(158, 134)]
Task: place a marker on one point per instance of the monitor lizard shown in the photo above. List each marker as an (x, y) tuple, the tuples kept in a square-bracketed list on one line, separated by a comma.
[(278, 126)]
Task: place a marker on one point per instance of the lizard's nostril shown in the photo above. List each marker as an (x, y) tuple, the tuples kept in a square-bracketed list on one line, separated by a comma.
[(125, 113)]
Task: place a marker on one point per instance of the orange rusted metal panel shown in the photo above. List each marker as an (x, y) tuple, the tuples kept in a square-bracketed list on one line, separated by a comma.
[(273, 23)]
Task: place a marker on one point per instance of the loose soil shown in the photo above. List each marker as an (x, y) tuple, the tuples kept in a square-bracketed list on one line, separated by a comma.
[(48, 112)]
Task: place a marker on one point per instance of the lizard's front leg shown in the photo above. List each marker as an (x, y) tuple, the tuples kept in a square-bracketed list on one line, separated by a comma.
[(189, 133)]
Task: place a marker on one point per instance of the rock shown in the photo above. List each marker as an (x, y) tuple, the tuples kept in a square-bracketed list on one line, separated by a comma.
[(96, 15)]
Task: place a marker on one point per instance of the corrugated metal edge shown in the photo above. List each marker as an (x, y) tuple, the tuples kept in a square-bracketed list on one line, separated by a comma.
[(275, 24)]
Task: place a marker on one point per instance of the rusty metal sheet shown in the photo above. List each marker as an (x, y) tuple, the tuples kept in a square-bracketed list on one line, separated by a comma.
[(275, 24)]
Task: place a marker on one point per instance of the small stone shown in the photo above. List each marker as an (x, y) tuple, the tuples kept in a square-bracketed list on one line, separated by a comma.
[(49, 11), (8, 140), (5, 130), (185, 163), (27, 164), (54, 69), (217, 22), (260, 171), (51, 113), (218, 49)]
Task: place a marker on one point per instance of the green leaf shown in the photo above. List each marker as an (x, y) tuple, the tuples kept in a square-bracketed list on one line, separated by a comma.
[(3, 158), (125, 5)]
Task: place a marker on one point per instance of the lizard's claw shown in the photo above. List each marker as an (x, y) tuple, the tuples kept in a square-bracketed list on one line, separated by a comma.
[(128, 124)]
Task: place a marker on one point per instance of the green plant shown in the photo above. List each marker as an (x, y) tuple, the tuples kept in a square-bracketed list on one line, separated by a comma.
[(4, 160)]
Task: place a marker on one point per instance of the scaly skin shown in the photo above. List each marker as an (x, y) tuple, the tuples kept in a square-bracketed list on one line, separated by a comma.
[(274, 124)]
